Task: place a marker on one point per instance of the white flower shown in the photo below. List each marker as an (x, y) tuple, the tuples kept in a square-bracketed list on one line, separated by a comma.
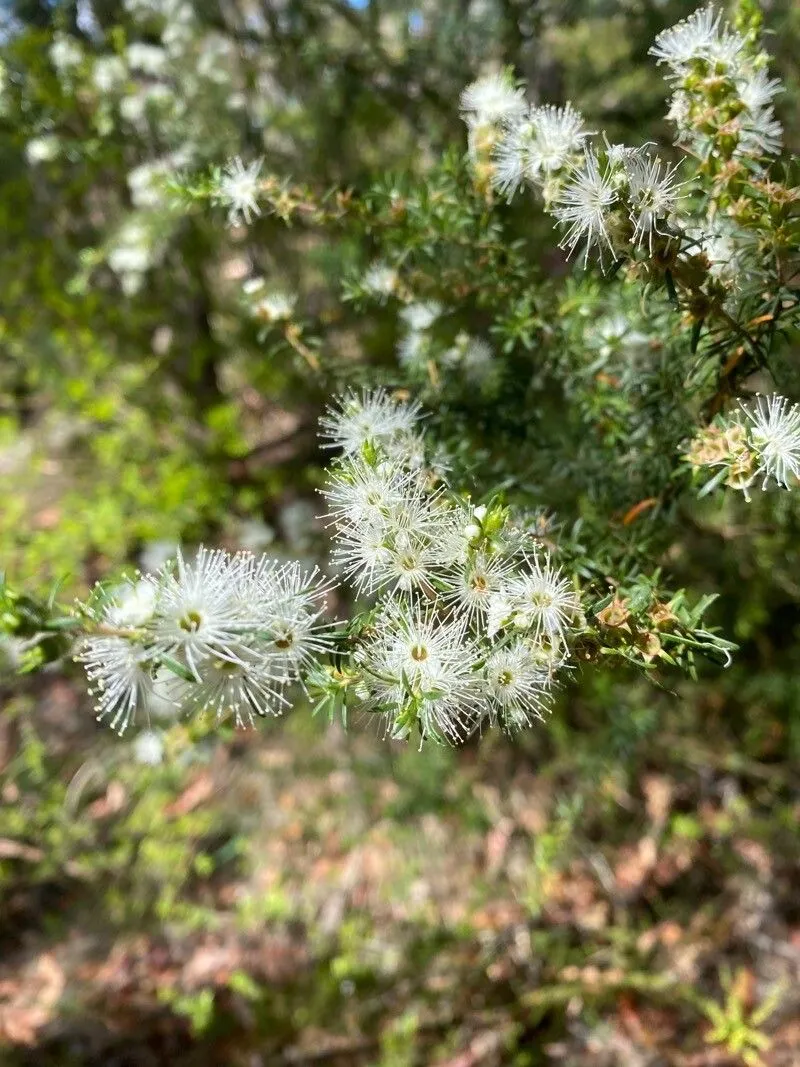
[(544, 601), (535, 146), (679, 112), (358, 492), (511, 158), (558, 135), (146, 183), (700, 37), (728, 249), (167, 695), (652, 196), (421, 316), (238, 188), (380, 280), (369, 417), (223, 632), (477, 359), (472, 583), (65, 53), (108, 73), (239, 689), (147, 58), (517, 688), (290, 603), (421, 670), (608, 333), (492, 98), (132, 605), (132, 251), (414, 351), (774, 434), (398, 546), (119, 672), (275, 306), (499, 612), (42, 149), (757, 90), (149, 748), (760, 133), (584, 205), (198, 614)]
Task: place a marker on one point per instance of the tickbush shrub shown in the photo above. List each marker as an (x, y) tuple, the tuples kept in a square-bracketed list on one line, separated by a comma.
[(505, 496)]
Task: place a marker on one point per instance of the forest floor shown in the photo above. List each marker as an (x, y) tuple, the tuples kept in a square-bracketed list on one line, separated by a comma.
[(301, 895)]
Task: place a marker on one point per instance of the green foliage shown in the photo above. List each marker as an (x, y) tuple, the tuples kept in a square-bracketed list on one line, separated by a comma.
[(146, 402)]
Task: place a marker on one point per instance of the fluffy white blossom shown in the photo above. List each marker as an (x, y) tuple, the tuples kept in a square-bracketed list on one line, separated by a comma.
[(559, 133), (700, 37), (132, 605), (133, 250), (543, 601), (238, 189), (472, 583), (360, 492), (42, 149), (371, 416), (288, 603), (421, 671), (108, 73), (414, 351), (149, 59), (774, 435), (241, 690), (584, 207), (271, 305), (652, 195), (477, 360), (492, 98), (536, 145), (397, 546), (146, 183), (517, 688), (757, 90), (421, 316), (380, 280), (119, 671), (65, 54), (727, 247), (149, 748), (199, 616), (760, 133), (221, 632), (721, 90)]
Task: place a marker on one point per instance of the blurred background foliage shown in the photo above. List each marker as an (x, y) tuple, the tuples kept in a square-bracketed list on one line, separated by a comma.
[(299, 892)]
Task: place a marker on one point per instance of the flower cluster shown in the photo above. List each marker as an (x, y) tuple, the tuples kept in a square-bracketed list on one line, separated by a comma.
[(230, 633), (620, 201), (473, 620), (758, 442), (608, 198), (536, 148), (722, 95)]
